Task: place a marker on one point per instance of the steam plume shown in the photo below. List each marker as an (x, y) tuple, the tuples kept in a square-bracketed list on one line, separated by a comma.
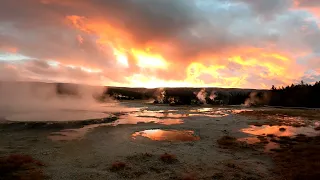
[(19, 97), (160, 95), (213, 95), (257, 98), (201, 95)]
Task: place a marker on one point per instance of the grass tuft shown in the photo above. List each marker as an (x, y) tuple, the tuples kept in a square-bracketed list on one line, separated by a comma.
[(168, 158), (227, 141), (118, 166), (188, 177), (18, 166)]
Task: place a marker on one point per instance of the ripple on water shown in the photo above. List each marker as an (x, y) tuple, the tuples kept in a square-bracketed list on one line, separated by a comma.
[(167, 135)]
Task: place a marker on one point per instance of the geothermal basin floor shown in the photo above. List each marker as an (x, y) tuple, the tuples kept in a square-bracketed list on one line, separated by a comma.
[(156, 142)]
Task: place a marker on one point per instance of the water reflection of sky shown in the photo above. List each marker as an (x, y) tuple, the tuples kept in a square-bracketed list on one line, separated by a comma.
[(289, 130), (162, 117), (274, 132), (133, 119), (74, 134), (56, 116), (167, 135)]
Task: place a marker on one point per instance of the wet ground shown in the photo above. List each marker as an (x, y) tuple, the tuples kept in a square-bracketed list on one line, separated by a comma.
[(78, 144)]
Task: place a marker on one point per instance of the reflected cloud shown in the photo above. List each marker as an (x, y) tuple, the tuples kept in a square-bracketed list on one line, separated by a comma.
[(56, 116), (133, 119), (167, 135), (276, 130)]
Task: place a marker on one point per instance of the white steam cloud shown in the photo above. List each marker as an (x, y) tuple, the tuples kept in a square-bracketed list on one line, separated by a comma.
[(160, 95), (18, 97), (202, 95), (213, 95)]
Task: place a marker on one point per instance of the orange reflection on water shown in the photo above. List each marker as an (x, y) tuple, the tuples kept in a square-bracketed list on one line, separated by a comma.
[(289, 130), (238, 111), (56, 116), (209, 112), (167, 135), (129, 119), (158, 114), (249, 140)]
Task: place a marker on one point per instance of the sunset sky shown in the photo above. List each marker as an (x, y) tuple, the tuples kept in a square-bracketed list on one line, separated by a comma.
[(161, 43)]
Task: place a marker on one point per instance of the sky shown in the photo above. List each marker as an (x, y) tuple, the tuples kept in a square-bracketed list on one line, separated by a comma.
[(161, 43)]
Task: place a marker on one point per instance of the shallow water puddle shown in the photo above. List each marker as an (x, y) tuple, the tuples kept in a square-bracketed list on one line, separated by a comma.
[(216, 112), (159, 114), (253, 140), (202, 110), (132, 119), (56, 116), (238, 111), (209, 112), (266, 133), (74, 134), (167, 135), (208, 115), (280, 130)]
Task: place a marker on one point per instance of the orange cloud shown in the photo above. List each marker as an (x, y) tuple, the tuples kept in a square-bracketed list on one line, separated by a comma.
[(270, 64), (9, 49), (163, 43)]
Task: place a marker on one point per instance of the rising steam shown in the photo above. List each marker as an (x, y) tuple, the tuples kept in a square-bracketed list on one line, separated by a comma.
[(257, 99), (160, 95), (202, 95), (213, 95), (18, 97)]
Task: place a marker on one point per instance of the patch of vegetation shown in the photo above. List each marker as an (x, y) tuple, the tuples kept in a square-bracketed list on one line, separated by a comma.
[(140, 157), (238, 170), (188, 176), (270, 135), (137, 165), (300, 160), (18, 166), (227, 141), (168, 158), (218, 176), (118, 166)]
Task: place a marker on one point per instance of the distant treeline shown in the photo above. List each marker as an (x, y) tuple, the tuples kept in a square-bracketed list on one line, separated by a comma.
[(300, 95), (182, 96)]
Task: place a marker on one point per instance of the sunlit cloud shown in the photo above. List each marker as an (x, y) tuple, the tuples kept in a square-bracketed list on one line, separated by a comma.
[(8, 56), (240, 43)]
